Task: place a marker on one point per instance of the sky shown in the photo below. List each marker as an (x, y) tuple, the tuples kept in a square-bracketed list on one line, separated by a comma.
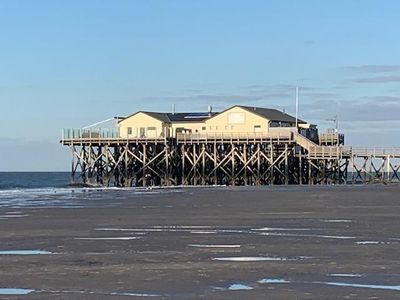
[(68, 64)]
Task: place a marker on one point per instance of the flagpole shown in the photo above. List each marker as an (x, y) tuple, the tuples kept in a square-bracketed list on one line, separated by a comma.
[(297, 104)]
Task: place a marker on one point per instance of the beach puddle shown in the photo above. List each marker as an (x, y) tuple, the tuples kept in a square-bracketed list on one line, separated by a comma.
[(258, 258), (121, 238), (134, 294), (213, 246), (357, 285), (235, 287), (239, 287), (370, 243), (346, 275), (7, 291), (25, 252), (281, 229), (189, 229), (9, 216), (273, 280), (102, 294), (339, 237), (337, 221)]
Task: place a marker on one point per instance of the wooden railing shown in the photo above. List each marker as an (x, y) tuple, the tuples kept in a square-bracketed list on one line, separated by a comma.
[(373, 152), (101, 136), (317, 151), (331, 138), (235, 136)]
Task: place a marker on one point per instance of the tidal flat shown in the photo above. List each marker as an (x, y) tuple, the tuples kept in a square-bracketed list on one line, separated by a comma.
[(273, 242)]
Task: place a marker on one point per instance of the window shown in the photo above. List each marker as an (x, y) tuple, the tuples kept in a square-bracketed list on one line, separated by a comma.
[(203, 128), (257, 128), (142, 132), (129, 130)]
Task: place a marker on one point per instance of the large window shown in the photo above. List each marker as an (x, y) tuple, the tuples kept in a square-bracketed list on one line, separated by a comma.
[(129, 130)]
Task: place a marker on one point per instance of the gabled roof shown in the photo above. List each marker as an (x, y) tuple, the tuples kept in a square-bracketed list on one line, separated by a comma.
[(159, 116), (176, 117), (267, 113), (271, 114)]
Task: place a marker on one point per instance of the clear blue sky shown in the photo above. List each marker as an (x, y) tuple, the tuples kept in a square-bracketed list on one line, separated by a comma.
[(71, 63)]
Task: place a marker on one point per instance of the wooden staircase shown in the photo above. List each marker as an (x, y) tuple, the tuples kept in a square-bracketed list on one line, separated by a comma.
[(315, 151)]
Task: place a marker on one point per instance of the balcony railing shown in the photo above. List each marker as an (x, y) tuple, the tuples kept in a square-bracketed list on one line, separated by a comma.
[(235, 136)]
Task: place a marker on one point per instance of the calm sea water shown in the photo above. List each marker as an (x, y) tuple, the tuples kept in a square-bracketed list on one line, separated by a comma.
[(53, 189), (33, 180)]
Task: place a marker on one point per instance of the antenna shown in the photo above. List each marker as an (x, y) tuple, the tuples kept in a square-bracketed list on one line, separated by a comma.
[(335, 120), (297, 104)]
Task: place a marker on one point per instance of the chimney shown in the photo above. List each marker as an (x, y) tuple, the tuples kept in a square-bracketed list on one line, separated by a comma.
[(173, 108), (209, 110)]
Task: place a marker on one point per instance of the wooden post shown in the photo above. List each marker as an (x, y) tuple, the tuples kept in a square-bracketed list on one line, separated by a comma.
[(144, 164), (286, 165), (215, 162), (300, 167), (233, 164), (272, 164), (203, 165), (246, 180), (183, 164)]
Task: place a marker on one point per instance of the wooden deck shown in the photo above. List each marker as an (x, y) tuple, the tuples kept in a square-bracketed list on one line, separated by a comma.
[(313, 150)]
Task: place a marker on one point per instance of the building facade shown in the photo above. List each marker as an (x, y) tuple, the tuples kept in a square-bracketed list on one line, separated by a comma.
[(234, 120)]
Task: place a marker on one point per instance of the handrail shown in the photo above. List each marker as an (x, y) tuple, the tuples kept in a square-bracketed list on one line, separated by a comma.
[(232, 136), (374, 151)]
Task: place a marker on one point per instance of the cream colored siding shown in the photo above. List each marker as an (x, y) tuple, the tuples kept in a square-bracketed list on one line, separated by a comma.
[(142, 125), (234, 120), (188, 127), (237, 120)]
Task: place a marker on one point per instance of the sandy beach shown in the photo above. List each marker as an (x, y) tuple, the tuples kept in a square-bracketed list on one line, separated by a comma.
[(292, 242)]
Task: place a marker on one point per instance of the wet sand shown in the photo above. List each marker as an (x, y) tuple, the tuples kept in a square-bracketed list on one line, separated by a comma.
[(309, 242)]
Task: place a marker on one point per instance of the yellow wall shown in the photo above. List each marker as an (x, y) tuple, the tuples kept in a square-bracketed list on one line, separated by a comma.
[(194, 127), (141, 120), (237, 120), (233, 120)]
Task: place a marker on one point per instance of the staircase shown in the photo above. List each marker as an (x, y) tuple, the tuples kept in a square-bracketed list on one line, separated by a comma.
[(315, 151)]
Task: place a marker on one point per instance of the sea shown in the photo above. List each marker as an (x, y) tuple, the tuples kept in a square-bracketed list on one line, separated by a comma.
[(55, 190), (34, 180)]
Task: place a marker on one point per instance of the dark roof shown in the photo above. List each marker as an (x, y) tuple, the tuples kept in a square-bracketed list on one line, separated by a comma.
[(268, 113), (159, 116), (177, 117), (189, 117), (271, 114)]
